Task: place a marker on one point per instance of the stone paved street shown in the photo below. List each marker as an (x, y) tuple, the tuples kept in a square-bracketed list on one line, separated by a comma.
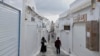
[(51, 51)]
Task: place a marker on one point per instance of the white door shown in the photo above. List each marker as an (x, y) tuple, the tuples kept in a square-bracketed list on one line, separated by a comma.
[(9, 30), (79, 36)]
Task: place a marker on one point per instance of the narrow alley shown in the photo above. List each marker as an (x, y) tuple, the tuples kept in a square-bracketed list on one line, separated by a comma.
[(51, 51), (49, 27)]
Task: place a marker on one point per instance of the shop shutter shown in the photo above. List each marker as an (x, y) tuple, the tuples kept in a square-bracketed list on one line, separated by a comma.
[(9, 30)]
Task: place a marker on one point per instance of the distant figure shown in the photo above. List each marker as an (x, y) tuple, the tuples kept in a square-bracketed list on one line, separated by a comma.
[(58, 45), (48, 38), (43, 46), (52, 36)]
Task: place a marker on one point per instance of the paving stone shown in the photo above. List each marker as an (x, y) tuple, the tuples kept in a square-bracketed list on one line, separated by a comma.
[(51, 51)]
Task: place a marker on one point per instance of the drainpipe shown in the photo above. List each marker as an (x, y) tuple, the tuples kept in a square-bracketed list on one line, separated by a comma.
[(99, 27)]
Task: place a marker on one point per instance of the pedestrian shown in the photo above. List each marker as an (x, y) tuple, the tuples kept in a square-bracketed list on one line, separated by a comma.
[(48, 37), (43, 46), (58, 45)]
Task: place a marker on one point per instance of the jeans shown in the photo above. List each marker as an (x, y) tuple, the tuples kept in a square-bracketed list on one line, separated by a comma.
[(58, 50)]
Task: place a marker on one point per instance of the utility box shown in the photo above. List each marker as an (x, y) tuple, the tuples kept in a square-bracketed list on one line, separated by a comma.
[(92, 35)]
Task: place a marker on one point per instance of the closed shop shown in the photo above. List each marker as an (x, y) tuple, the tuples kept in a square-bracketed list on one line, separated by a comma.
[(9, 30), (79, 35), (80, 46)]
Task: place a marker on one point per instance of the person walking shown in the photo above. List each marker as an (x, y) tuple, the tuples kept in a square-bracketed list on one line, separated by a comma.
[(48, 37), (43, 46), (58, 45)]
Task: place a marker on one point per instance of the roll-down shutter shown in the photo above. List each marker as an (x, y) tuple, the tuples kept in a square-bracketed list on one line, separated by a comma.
[(9, 30)]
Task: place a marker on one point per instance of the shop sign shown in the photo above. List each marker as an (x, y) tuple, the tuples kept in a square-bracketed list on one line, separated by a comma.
[(80, 18)]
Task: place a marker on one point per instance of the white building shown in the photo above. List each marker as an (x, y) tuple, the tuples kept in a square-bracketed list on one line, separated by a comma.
[(88, 13), (46, 28), (75, 41), (32, 29), (64, 21)]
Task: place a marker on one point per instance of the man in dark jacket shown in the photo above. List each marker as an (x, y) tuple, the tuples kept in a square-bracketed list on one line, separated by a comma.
[(58, 45)]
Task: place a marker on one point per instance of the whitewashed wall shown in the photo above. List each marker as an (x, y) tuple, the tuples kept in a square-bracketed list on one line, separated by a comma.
[(45, 33), (65, 41), (31, 38), (76, 44), (79, 43), (64, 35), (30, 32), (46, 29)]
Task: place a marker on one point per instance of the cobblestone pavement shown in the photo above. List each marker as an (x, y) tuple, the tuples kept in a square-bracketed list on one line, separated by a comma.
[(51, 51)]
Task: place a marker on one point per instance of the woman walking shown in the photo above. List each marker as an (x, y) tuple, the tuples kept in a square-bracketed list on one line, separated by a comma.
[(43, 46)]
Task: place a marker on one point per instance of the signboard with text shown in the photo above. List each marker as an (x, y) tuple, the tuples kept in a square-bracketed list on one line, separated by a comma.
[(80, 18)]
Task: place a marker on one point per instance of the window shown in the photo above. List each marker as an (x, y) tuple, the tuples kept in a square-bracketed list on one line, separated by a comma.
[(66, 27), (25, 18), (32, 19), (43, 25)]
